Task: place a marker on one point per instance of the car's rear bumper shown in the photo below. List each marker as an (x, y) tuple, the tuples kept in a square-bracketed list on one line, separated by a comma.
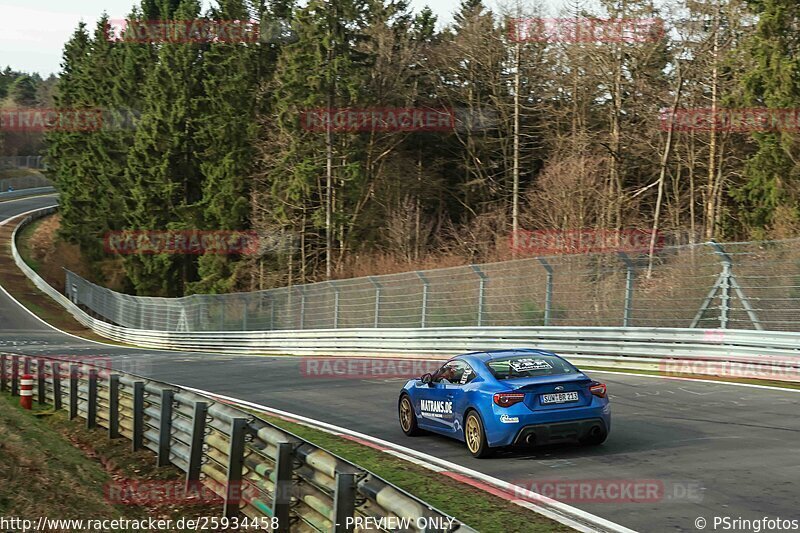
[(558, 432)]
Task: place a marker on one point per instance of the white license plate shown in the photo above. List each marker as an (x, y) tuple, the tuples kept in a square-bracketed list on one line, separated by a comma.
[(560, 397)]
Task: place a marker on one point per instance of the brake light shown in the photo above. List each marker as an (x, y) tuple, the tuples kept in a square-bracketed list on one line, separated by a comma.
[(507, 399), (598, 389)]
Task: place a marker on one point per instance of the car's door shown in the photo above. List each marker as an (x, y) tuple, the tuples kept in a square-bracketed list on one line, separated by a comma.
[(455, 392), (435, 409)]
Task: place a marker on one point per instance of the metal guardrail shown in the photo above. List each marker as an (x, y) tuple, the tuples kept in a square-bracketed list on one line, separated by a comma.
[(775, 352), (26, 192), (256, 468)]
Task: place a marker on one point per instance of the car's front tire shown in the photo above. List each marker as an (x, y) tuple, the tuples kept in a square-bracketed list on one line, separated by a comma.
[(408, 419), (475, 436)]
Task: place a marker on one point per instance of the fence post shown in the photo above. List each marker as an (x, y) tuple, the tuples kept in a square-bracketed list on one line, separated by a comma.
[(424, 310), (548, 292), (138, 416), (196, 446), (244, 313), (271, 313), (302, 290), (281, 497), (91, 400), (628, 309), (55, 369), (14, 375), (113, 406), (233, 487), (344, 501), (335, 304), (165, 427), (73, 391), (41, 394), (3, 372), (26, 364), (481, 291), (378, 288)]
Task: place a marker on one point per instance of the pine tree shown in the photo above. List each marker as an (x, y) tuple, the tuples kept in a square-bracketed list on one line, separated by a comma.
[(771, 174), (224, 148), (165, 181)]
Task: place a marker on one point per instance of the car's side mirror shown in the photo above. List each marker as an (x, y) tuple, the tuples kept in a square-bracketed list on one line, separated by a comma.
[(426, 379)]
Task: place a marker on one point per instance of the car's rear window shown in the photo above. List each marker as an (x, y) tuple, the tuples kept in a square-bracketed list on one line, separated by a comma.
[(529, 366)]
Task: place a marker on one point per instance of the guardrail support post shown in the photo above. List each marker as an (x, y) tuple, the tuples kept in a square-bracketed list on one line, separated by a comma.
[(14, 375), (41, 393), (91, 400), (73, 391), (344, 501), (424, 310), (233, 487), (26, 365), (281, 497), (626, 318), (165, 427), (378, 288), (481, 292), (3, 372), (196, 446), (138, 416), (55, 369), (113, 406), (548, 291)]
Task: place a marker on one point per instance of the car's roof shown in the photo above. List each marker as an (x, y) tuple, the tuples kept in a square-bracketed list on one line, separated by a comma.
[(489, 355)]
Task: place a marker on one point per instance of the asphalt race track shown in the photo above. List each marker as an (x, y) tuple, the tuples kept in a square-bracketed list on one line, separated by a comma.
[(711, 449)]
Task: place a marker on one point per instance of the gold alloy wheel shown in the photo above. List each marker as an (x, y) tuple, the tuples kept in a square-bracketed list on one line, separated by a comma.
[(473, 434), (405, 414)]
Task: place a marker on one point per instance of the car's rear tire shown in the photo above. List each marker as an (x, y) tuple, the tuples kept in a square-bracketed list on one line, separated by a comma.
[(408, 419), (475, 436)]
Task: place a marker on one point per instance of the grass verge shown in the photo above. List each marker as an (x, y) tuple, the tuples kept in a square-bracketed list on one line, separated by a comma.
[(476, 508), (53, 467)]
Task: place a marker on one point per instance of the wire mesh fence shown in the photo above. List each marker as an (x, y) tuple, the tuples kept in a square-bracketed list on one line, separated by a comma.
[(748, 285)]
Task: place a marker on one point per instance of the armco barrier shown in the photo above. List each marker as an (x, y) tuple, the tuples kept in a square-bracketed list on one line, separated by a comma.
[(256, 469), (633, 348)]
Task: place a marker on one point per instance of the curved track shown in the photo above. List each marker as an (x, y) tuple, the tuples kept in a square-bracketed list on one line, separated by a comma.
[(717, 450)]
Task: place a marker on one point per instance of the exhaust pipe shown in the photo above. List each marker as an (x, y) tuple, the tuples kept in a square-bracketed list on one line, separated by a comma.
[(595, 432), (530, 440)]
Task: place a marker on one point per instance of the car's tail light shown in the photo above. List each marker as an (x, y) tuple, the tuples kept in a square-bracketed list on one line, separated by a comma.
[(507, 399), (598, 389)]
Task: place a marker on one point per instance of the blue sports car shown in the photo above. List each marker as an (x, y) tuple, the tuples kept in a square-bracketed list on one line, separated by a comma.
[(507, 397)]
